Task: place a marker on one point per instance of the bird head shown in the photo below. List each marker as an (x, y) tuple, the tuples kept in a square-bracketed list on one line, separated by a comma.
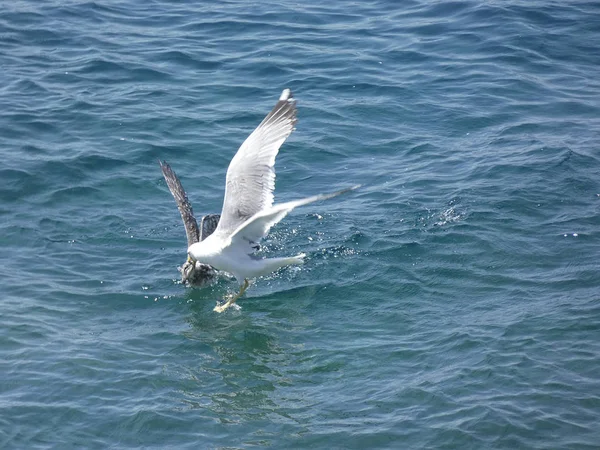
[(199, 252), (194, 273)]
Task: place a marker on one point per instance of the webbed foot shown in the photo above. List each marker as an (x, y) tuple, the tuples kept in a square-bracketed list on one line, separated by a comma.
[(232, 299)]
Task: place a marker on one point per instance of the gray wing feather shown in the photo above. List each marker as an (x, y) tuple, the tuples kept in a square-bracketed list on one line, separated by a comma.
[(251, 176), (208, 225), (183, 204)]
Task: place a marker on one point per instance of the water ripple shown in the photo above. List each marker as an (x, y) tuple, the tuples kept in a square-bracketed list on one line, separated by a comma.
[(451, 302)]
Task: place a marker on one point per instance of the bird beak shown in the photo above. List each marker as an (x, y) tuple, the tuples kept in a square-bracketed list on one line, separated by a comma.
[(190, 260)]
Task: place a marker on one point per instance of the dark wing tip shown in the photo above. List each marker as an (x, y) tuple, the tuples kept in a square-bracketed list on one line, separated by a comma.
[(284, 110), (166, 168)]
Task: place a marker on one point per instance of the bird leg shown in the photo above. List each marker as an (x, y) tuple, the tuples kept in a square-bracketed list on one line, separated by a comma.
[(232, 299)]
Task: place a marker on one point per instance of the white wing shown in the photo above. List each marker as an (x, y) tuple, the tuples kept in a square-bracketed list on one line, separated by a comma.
[(251, 176), (258, 226)]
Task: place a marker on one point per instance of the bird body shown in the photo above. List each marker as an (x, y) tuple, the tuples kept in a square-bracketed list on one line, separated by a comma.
[(232, 252), (235, 259)]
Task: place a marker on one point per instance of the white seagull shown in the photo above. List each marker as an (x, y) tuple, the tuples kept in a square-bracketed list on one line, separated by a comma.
[(248, 211)]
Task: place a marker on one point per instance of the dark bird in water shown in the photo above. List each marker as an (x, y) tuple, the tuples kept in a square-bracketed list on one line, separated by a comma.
[(192, 273)]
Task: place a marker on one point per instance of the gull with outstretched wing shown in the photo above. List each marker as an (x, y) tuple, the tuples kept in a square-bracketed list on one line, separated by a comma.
[(248, 212)]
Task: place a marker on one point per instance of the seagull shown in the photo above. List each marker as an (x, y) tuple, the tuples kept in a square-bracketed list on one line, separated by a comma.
[(248, 211), (192, 274)]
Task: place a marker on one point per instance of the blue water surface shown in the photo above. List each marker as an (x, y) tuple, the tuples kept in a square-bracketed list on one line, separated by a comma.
[(452, 302)]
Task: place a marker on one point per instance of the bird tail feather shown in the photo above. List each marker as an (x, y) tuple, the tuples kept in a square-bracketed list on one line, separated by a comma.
[(270, 265)]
